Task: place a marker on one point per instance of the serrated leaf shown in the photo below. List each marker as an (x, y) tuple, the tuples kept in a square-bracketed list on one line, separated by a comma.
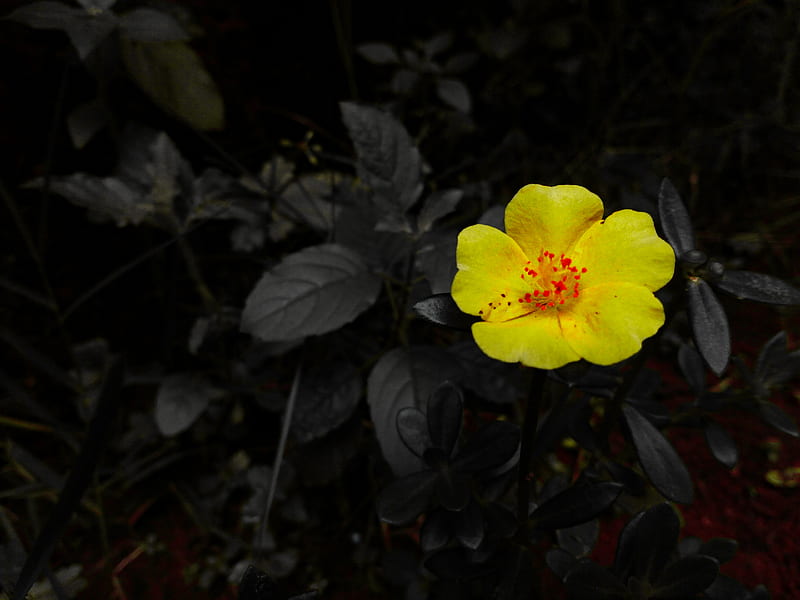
[(661, 463), (759, 287), (310, 292), (328, 394), (436, 206), (686, 577), (442, 310), (404, 499), (721, 444), (675, 219), (181, 399), (173, 76), (589, 581), (454, 93), (404, 377), (646, 543), (774, 416), (150, 25), (388, 161), (710, 328), (577, 504), (378, 53)]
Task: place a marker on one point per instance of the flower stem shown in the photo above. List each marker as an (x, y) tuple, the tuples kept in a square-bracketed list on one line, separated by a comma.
[(529, 425)]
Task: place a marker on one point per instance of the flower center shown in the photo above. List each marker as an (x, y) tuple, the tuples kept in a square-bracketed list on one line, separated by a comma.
[(552, 281)]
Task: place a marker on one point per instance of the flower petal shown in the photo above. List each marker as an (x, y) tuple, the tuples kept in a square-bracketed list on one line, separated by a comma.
[(488, 281), (534, 340), (624, 248), (551, 218), (609, 321)]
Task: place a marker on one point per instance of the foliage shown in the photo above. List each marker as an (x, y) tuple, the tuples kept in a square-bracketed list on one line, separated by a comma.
[(294, 376)]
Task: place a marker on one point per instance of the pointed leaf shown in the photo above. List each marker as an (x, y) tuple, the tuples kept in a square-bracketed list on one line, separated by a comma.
[(675, 219), (577, 504), (412, 427), (686, 577), (773, 415), (311, 292), (709, 325), (662, 465), (560, 561), (378, 53), (445, 414), (470, 528), (436, 206), (454, 93), (404, 377), (436, 530), (442, 310), (406, 498), (723, 549), (388, 162), (646, 543), (181, 399), (721, 444), (589, 581), (759, 287), (85, 121)]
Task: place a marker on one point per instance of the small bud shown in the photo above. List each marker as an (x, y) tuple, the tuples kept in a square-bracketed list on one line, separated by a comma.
[(715, 269), (693, 258)]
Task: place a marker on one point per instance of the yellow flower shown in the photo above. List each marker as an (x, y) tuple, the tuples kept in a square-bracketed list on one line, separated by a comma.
[(562, 283)]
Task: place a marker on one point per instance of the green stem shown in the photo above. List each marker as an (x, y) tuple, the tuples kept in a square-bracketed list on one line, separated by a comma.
[(529, 426)]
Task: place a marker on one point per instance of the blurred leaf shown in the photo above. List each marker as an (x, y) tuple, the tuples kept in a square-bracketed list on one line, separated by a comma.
[(452, 488), (323, 461), (388, 162), (515, 575), (775, 416), (181, 399), (310, 292), (442, 310), (492, 380), (589, 581), (459, 63), (579, 540), (85, 121), (710, 328), (721, 444), (560, 561), (675, 219), (577, 504), (454, 93), (436, 258), (445, 413), (150, 25), (776, 365), (436, 206), (406, 498), (759, 287), (328, 394), (437, 44), (646, 543), (436, 530), (491, 446), (470, 527), (686, 577), (404, 377), (97, 5), (378, 53), (38, 359), (662, 465), (173, 76), (723, 549), (257, 585)]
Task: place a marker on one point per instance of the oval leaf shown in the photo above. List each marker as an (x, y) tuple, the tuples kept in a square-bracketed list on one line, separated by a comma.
[(311, 292), (646, 543), (773, 415), (378, 53), (662, 465), (412, 427), (180, 399), (721, 445), (759, 287), (454, 93), (709, 325), (675, 219), (404, 377), (575, 505)]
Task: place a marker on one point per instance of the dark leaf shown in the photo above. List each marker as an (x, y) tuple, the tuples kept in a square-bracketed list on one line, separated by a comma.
[(693, 369), (579, 540), (329, 393), (709, 325), (181, 399), (492, 380), (378, 53), (311, 292), (436, 206), (470, 527), (646, 543), (406, 498), (759, 287), (723, 549), (589, 581), (454, 93), (776, 365), (151, 25), (323, 460), (577, 504), (452, 563), (442, 310), (257, 585), (412, 426), (662, 465), (452, 488), (675, 219), (516, 575), (686, 577), (501, 523), (560, 561), (775, 416), (721, 444), (436, 259), (388, 162), (491, 446), (725, 588), (404, 377), (633, 482), (85, 120), (445, 413), (436, 530)]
